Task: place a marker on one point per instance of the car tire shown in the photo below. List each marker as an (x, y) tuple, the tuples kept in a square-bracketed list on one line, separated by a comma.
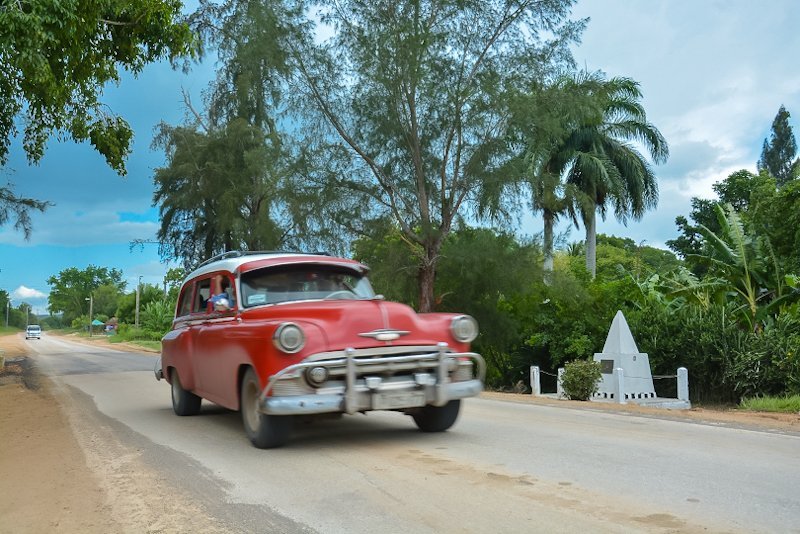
[(437, 418), (183, 402), (264, 431)]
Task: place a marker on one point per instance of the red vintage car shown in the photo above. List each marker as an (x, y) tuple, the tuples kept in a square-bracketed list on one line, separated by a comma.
[(279, 335)]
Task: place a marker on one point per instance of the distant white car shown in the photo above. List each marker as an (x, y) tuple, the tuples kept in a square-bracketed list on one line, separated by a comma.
[(33, 331)]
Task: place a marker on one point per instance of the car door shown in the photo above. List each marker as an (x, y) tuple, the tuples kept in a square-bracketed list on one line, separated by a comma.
[(217, 348)]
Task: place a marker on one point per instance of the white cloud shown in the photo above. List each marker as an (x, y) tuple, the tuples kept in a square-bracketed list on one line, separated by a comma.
[(96, 225), (27, 293), (152, 272), (713, 75)]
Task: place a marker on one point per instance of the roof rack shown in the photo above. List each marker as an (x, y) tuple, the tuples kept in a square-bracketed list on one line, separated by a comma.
[(240, 253)]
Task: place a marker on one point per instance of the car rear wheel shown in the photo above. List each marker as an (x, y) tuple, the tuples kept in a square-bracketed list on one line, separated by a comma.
[(183, 402), (437, 418), (264, 431)]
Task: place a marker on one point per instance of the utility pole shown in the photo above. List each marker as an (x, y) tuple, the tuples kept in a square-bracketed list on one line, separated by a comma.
[(8, 305), (138, 286), (91, 311)]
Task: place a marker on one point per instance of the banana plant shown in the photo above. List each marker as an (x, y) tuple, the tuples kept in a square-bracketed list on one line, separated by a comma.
[(744, 265)]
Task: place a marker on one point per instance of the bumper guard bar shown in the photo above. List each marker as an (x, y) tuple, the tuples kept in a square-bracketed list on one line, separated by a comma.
[(355, 398)]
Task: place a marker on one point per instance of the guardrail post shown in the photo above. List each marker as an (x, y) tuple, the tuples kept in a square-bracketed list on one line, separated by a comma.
[(559, 385), (619, 385), (683, 384), (536, 384)]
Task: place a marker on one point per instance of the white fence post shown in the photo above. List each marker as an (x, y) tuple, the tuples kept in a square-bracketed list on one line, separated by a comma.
[(559, 386), (683, 384), (536, 384), (619, 385)]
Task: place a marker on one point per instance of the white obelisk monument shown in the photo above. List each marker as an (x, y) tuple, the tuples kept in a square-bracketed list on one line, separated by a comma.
[(621, 352)]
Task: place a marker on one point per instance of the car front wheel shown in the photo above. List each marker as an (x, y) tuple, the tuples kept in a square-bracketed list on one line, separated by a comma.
[(183, 402), (265, 431), (437, 418)]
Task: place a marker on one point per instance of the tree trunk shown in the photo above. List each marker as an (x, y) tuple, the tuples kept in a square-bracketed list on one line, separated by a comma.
[(548, 245), (591, 243), (426, 278)]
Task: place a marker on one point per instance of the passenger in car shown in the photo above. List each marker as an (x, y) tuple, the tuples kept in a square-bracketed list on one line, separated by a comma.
[(223, 287)]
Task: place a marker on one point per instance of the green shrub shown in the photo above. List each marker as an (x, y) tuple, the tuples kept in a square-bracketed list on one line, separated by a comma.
[(81, 322), (703, 341), (157, 317), (580, 379), (126, 332)]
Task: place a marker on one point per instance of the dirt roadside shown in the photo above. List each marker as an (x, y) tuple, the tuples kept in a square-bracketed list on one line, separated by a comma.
[(56, 477), (46, 485), (64, 470)]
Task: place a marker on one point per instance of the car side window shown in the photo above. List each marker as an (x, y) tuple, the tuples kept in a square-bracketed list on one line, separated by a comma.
[(185, 307), (202, 295)]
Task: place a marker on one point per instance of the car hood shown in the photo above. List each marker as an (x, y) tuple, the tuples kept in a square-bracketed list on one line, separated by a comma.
[(361, 324)]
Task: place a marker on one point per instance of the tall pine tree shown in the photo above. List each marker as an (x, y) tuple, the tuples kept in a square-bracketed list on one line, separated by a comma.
[(778, 154)]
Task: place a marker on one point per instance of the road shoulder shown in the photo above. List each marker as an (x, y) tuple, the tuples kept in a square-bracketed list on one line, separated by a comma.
[(47, 485), (786, 423)]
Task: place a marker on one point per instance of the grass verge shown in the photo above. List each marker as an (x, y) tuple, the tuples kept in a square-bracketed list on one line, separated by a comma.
[(787, 404)]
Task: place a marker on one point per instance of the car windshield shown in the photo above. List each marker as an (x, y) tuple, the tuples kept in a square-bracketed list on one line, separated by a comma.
[(302, 282)]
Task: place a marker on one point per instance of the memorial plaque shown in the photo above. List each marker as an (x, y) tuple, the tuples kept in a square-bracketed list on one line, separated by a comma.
[(607, 367)]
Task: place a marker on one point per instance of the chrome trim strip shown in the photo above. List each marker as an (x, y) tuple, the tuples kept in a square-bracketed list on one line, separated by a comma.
[(373, 351), (385, 334)]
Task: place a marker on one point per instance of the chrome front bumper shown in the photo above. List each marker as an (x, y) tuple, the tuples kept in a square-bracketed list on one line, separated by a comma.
[(159, 372), (364, 390)]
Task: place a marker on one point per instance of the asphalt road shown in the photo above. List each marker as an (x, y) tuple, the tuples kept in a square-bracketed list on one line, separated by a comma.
[(504, 467)]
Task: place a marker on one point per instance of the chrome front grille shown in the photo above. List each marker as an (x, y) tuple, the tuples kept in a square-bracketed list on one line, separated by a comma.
[(349, 369)]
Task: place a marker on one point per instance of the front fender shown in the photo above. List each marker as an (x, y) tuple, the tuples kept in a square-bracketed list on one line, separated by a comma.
[(176, 348)]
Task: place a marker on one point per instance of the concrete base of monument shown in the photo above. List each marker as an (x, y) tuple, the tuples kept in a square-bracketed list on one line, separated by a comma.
[(657, 402)]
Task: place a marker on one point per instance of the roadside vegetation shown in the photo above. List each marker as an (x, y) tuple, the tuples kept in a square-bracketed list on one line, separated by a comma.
[(419, 153), (787, 404), (8, 330)]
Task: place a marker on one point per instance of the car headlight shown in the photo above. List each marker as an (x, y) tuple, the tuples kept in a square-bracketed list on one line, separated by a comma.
[(289, 338), (464, 328)]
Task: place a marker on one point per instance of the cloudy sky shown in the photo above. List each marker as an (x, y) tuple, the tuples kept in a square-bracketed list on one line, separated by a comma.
[(713, 74)]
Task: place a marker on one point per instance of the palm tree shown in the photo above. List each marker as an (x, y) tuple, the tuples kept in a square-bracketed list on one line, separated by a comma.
[(577, 159), (551, 115), (606, 167)]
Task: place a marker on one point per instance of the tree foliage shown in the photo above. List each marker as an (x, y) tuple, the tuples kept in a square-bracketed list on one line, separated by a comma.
[(58, 56), (735, 190), (220, 190), (106, 299), (71, 288), (606, 166), (410, 103), (779, 151), (542, 120), (13, 207), (231, 179), (126, 305), (745, 263)]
